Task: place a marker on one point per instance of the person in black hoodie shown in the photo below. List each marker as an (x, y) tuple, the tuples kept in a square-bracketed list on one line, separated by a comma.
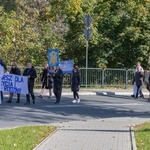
[(2, 68), (16, 71), (31, 74), (58, 81)]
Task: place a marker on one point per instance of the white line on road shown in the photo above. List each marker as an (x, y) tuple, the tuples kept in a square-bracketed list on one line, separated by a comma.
[(125, 104)]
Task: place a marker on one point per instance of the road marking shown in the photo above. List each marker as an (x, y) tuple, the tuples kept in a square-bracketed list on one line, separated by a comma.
[(125, 104)]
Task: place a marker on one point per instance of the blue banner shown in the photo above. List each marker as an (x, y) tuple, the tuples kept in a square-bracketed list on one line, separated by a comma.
[(53, 57), (67, 66)]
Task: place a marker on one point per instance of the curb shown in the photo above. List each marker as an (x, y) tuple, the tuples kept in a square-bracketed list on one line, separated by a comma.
[(133, 142), (41, 143), (96, 93)]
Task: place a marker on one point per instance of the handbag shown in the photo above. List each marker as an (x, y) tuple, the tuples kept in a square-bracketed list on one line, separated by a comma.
[(51, 80)]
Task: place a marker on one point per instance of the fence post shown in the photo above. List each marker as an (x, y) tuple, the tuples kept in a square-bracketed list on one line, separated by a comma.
[(103, 78), (126, 84)]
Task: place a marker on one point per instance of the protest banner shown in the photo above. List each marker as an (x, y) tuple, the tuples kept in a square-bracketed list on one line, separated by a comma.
[(14, 84), (67, 66), (53, 57), (1, 69)]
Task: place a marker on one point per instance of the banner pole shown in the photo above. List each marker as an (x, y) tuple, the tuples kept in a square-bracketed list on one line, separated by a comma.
[(0, 98)]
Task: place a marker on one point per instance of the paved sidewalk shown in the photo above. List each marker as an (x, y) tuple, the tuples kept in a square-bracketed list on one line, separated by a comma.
[(95, 134)]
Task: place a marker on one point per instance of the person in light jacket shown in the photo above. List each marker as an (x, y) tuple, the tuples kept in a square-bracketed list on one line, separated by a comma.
[(138, 64)]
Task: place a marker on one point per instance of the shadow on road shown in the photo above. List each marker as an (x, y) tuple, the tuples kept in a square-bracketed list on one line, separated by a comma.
[(45, 111)]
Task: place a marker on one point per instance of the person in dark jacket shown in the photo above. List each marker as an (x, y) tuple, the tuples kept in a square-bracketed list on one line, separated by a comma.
[(147, 81), (31, 74), (75, 84), (50, 80), (2, 68), (138, 78), (58, 81), (44, 79), (16, 71)]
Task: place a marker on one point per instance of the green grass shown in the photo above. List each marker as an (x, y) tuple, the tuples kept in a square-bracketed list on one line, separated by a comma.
[(24, 138), (142, 136)]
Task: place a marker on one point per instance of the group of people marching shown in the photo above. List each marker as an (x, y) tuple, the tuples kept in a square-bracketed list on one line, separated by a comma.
[(52, 79), (29, 72), (139, 78)]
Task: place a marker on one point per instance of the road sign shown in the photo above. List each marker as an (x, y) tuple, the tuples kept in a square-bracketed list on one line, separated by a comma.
[(87, 20), (87, 33)]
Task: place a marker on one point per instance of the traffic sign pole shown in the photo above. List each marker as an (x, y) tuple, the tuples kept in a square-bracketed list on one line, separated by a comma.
[(87, 43), (87, 32)]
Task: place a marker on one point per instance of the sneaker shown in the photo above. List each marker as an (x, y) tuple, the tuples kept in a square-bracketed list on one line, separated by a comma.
[(141, 97), (74, 101), (78, 101), (50, 97)]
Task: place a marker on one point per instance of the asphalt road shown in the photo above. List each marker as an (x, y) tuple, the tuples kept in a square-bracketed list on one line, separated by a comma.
[(91, 107)]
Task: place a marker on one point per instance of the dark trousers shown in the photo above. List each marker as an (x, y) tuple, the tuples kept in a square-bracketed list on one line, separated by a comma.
[(75, 95), (57, 92), (11, 97), (2, 96), (30, 88), (138, 91)]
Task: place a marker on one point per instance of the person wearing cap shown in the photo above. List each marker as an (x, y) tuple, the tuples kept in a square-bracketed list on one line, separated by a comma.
[(75, 84), (58, 81), (16, 71)]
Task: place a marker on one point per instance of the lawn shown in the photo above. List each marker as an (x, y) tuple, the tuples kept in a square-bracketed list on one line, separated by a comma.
[(142, 136), (24, 138)]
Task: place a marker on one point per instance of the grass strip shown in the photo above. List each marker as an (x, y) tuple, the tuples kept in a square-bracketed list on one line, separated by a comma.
[(142, 136), (24, 138)]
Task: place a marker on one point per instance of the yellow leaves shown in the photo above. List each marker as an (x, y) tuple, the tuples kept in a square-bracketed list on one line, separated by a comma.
[(15, 145), (73, 6)]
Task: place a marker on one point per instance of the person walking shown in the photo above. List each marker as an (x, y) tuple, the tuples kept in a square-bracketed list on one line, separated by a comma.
[(75, 84), (58, 81), (16, 71), (138, 64), (31, 74), (2, 68), (138, 78), (50, 81), (44, 80), (147, 81)]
